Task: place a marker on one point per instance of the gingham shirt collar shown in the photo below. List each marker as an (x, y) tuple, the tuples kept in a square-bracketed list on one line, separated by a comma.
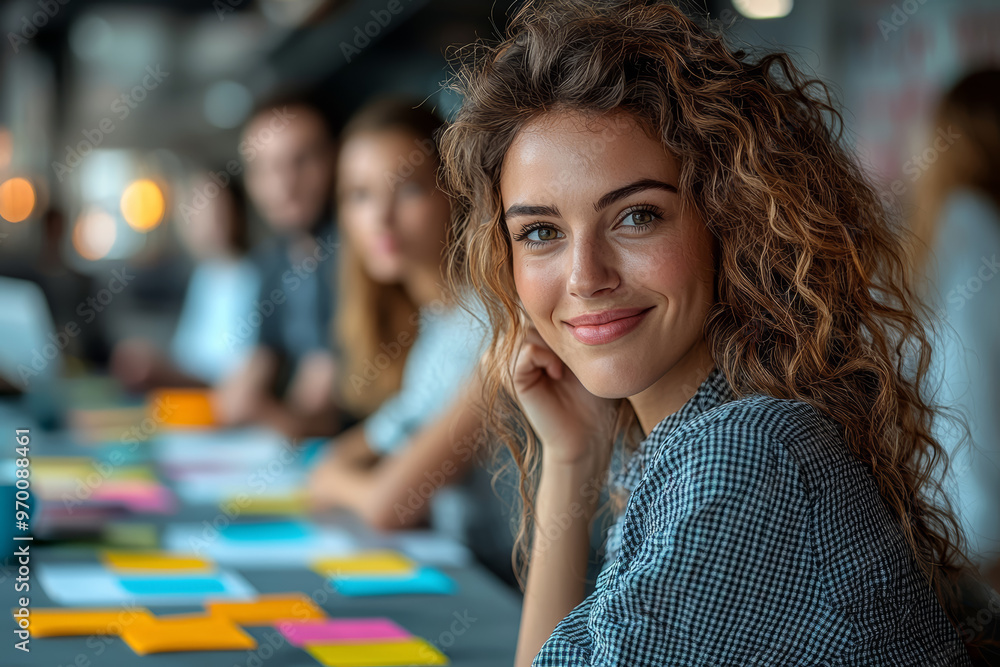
[(713, 391)]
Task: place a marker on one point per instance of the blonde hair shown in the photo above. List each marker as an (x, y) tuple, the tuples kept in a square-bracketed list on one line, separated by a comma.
[(971, 111), (371, 316)]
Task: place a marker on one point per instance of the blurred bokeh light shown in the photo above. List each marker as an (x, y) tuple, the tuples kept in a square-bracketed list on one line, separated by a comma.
[(94, 234), (143, 205), (763, 9), (17, 199)]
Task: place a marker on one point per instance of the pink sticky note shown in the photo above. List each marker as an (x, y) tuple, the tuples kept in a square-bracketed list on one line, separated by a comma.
[(331, 631), (137, 496)]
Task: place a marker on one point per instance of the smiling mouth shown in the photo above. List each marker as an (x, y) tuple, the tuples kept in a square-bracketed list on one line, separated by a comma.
[(607, 326)]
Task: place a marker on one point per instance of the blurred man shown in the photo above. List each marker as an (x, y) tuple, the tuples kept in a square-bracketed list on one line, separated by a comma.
[(288, 381)]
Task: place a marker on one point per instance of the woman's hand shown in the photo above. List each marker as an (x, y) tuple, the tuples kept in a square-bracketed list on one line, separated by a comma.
[(136, 364), (243, 397), (576, 430), (572, 424)]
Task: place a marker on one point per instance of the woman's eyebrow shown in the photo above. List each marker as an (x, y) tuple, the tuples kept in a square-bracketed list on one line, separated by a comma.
[(631, 189), (516, 210)]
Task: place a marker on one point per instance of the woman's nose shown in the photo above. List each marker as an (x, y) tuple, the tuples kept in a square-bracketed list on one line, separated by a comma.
[(593, 269)]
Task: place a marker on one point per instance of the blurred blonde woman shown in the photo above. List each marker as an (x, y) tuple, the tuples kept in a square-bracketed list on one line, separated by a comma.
[(958, 224), (411, 352)]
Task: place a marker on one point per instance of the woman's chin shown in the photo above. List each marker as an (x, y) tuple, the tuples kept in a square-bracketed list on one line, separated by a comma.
[(385, 274), (611, 385)]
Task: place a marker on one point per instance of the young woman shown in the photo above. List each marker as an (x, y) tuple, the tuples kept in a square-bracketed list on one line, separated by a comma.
[(959, 225), (411, 352), (671, 244)]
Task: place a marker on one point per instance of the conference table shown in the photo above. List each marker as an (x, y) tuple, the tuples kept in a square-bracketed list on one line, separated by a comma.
[(474, 627)]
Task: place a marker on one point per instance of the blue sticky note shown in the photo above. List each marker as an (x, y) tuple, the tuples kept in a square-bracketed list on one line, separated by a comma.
[(266, 531), (172, 585), (425, 581)]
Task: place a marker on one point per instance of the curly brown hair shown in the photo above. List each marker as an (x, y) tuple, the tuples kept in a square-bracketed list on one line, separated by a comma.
[(812, 296)]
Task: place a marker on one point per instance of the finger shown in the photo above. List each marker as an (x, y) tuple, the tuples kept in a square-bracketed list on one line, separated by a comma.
[(534, 358)]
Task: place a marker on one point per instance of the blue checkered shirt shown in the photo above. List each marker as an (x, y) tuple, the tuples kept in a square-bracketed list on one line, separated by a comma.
[(753, 537)]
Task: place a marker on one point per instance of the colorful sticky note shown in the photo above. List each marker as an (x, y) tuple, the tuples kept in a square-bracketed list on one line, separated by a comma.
[(286, 504), (267, 531), (425, 581), (134, 535), (366, 563), (341, 630), (153, 561), (195, 632), (92, 584), (57, 622), (136, 473), (173, 585), (182, 408), (136, 495), (267, 609), (414, 651)]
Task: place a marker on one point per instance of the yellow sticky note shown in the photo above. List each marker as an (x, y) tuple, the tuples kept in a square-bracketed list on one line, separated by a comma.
[(267, 609), (146, 561), (291, 504), (190, 632), (365, 563), (75, 622), (124, 534), (414, 651)]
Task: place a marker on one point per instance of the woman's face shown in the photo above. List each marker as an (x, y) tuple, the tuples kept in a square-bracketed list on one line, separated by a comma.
[(389, 205), (617, 281)]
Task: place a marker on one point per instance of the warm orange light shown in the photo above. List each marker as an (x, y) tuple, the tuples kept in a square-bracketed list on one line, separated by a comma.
[(143, 205), (94, 234), (17, 199)]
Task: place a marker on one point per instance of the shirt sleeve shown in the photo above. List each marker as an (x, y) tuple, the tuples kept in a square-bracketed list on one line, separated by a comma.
[(697, 578), (214, 334), (393, 422), (440, 364)]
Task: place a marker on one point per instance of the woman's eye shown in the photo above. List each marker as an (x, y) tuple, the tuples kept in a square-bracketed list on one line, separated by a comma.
[(542, 234), (357, 195), (411, 190), (639, 218)]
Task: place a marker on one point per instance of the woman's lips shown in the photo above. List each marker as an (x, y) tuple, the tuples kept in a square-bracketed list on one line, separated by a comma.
[(386, 245), (607, 326)]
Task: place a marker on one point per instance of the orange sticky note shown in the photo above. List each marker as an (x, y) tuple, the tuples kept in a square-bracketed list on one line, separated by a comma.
[(267, 609), (414, 651), (56, 622), (366, 563), (189, 632), (183, 408), (153, 561)]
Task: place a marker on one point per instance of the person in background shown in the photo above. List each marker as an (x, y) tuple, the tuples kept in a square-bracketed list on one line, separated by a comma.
[(207, 344), (958, 225), (288, 380), (64, 286), (413, 351)]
